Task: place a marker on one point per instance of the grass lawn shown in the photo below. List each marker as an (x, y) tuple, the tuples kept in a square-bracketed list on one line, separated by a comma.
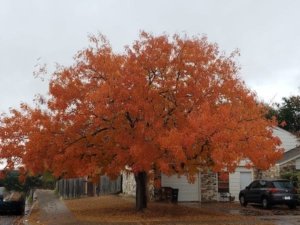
[(114, 209)]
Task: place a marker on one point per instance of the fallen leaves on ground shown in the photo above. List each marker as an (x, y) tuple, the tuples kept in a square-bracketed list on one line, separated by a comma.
[(122, 209), (34, 218)]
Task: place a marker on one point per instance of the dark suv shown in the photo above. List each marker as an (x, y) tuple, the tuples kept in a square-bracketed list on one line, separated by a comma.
[(11, 202), (269, 192)]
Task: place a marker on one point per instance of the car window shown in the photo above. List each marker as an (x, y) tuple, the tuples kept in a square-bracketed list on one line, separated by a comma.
[(255, 184), (3, 192), (283, 184), (263, 184), (270, 185)]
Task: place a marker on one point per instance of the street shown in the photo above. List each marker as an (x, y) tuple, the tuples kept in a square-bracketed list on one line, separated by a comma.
[(9, 220)]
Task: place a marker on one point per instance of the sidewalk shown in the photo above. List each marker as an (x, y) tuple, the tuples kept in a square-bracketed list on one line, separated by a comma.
[(52, 210)]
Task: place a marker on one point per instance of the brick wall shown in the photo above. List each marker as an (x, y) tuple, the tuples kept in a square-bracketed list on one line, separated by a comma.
[(209, 188), (273, 172)]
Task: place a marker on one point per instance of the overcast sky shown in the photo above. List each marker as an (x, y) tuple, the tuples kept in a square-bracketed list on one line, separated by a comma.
[(267, 33)]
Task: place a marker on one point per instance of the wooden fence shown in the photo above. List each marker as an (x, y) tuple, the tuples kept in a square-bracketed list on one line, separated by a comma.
[(75, 188), (71, 188), (108, 186)]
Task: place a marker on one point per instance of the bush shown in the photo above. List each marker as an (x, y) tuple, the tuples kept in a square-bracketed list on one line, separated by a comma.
[(292, 176)]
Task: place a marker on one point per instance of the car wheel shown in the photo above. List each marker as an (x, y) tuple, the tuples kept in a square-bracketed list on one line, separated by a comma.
[(265, 203), (243, 201)]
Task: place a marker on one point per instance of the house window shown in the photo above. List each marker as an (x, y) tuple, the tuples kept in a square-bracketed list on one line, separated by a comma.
[(223, 182)]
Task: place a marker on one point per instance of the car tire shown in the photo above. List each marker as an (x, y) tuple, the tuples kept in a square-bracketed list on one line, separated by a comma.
[(265, 203), (243, 201)]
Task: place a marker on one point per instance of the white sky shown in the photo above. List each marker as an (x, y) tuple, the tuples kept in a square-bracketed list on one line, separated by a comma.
[(267, 33)]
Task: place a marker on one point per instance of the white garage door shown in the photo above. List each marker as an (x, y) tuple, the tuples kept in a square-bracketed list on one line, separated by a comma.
[(246, 178), (187, 191), (238, 180)]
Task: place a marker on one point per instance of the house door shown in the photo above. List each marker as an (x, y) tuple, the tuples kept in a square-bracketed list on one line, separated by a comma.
[(245, 179)]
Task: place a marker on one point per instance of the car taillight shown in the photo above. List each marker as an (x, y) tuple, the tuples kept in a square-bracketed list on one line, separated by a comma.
[(273, 190)]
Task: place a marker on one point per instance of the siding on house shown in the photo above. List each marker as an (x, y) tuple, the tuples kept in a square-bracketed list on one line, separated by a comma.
[(204, 189), (187, 191), (297, 164), (234, 184), (235, 181)]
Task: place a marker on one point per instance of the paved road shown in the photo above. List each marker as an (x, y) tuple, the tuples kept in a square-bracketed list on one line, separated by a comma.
[(9, 220)]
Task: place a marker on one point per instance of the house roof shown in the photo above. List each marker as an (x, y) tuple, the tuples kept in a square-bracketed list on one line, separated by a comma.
[(290, 155), (289, 141)]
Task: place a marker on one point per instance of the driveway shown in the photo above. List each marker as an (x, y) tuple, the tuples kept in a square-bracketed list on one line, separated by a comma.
[(278, 215)]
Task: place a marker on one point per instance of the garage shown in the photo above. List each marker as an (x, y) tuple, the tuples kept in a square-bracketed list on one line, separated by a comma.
[(239, 180), (187, 191)]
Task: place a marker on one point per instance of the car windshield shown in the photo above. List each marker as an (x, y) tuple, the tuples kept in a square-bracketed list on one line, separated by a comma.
[(283, 184)]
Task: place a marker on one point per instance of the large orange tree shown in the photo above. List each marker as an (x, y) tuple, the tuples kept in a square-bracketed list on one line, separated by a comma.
[(174, 104)]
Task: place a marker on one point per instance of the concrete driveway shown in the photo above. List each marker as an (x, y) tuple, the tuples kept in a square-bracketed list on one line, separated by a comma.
[(278, 215)]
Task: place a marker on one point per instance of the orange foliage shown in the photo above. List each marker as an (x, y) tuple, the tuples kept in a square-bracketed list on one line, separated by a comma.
[(174, 103)]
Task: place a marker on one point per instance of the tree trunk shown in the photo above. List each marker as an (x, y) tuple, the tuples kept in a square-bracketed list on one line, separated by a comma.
[(141, 190)]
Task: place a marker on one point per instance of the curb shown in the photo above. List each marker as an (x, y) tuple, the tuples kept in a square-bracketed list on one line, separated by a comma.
[(24, 220)]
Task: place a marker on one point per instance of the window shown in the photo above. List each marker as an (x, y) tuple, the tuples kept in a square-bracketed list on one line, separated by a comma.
[(283, 184), (255, 184), (223, 182), (263, 184)]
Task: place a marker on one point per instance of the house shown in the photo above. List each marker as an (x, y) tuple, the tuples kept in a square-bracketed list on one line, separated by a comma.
[(208, 186), (290, 163), (242, 177)]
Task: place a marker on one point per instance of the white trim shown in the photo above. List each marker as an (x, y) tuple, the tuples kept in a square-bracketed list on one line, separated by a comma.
[(199, 187), (295, 157)]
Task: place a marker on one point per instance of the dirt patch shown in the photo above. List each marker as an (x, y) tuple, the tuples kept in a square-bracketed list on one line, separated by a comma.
[(115, 209)]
